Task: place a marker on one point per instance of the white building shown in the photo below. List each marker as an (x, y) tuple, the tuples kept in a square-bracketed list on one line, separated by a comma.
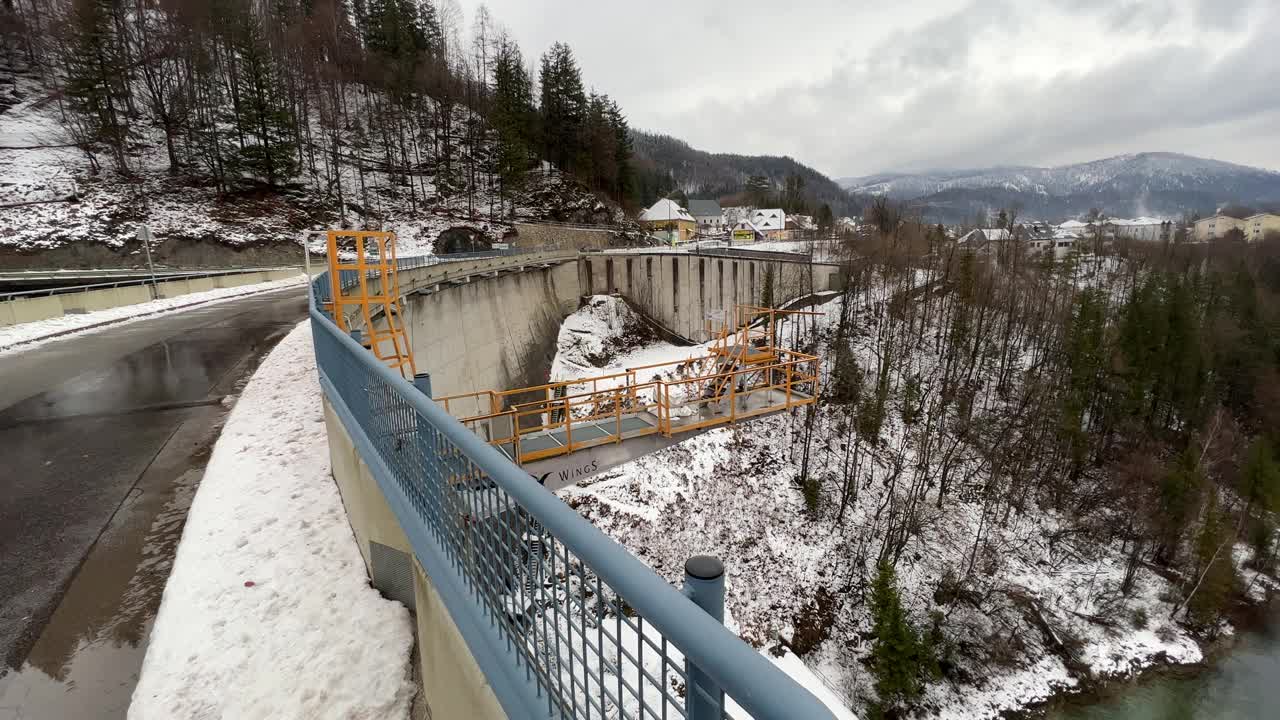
[(772, 222), (669, 222), (710, 218), (1144, 229)]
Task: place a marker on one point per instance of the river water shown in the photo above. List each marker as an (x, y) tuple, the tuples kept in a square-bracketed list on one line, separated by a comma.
[(1243, 685)]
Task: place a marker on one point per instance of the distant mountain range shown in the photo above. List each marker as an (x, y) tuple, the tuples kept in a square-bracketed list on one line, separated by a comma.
[(1145, 184), (723, 176)]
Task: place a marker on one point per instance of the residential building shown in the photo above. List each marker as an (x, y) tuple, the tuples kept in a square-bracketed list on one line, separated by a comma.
[(772, 222), (1217, 226), (983, 242), (1076, 227), (746, 232), (1258, 226), (1144, 229), (710, 217), (669, 222)]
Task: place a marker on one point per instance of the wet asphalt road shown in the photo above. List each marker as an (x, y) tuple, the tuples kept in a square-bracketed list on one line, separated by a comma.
[(103, 439)]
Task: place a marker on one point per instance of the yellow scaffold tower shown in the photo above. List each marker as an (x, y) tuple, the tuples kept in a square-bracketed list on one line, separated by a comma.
[(374, 290)]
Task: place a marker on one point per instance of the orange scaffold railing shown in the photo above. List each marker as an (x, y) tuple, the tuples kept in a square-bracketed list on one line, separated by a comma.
[(746, 373)]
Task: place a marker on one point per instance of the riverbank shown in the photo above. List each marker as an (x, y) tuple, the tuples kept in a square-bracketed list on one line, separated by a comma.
[(1247, 621)]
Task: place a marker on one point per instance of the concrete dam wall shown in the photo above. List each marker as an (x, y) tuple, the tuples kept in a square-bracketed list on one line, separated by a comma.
[(492, 332), (678, 290)]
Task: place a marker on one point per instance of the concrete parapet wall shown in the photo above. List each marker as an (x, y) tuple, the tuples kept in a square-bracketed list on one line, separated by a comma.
[(679, 290), (31, 309), (453, 686)]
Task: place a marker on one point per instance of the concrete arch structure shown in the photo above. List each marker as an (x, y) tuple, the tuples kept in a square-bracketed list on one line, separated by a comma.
[(679, 290)]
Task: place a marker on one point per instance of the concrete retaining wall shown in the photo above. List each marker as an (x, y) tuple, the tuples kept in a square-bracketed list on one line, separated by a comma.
[(453, 686), (538, 235), (30, 309), (679, 290)]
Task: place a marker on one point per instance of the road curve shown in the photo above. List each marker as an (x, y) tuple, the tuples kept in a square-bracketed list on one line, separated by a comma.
[(96, 432)]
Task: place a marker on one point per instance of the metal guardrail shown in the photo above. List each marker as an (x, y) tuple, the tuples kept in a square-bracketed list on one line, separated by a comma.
[(563, 621), (159, 278)]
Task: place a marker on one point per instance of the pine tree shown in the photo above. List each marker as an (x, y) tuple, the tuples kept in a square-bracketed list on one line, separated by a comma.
[(1214, 567), (845, 387), (1180, 491), (563, 107), (513, 115), (262, 117), (624, 174), (759, 190), (900, 660), (97, 80), (1260, 477)]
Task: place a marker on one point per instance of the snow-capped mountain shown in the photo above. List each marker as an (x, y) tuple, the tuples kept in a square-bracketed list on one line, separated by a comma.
[(1126, 185)]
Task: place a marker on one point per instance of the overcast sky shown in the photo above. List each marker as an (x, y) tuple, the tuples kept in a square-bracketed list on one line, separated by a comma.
[(854, 87)]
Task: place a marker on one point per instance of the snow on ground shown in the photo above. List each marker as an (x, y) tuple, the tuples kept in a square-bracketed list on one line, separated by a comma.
[(35, 162), (268, 612), (13, 336)]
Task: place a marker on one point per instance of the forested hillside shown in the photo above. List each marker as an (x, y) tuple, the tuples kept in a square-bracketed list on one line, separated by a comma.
[(665, 165), (250, 119), (1024, 477)]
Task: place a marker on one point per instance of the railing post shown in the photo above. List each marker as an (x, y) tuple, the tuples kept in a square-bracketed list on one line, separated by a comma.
[(704, 585), (422, 381)]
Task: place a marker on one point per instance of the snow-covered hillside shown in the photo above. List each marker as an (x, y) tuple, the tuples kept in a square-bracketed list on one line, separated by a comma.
[(1154, 171), (55, 211), (1026, 605), (1161, 184)]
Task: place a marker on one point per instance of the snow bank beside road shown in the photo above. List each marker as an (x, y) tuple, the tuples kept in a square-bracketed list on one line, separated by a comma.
[(268, 612), (12, 336)]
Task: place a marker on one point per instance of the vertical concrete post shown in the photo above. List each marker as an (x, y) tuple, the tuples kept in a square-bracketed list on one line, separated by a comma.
[(704, 585)]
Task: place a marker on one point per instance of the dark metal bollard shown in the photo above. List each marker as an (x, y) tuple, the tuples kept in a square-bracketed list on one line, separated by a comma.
[(422, 381), (704, 585), (358, 335)]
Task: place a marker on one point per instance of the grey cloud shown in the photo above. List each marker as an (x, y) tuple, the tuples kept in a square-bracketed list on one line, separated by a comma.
[(952, 119), (854, 88)]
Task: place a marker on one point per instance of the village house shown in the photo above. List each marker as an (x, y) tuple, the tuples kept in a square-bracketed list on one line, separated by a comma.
[(744, 231), (772, 222), (709, 216), (1217, 226), (669, 222), (1256, 227)]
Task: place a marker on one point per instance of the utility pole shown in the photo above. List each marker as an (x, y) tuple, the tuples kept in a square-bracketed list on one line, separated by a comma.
[(306, 253), (144, 237)]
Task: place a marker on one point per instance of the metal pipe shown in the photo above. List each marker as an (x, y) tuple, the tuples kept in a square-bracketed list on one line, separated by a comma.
[(704, 585)]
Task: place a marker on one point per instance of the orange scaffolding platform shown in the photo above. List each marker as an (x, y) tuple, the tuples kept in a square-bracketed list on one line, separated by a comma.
[(746, 374)]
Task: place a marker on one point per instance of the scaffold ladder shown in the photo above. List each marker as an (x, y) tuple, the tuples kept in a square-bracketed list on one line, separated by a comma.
[(374, 266)]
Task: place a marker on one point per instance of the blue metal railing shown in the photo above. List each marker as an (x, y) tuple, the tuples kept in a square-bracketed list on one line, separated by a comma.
[(563, 621)]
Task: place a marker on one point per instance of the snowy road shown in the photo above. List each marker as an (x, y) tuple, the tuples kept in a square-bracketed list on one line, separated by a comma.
[(105, 437)]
